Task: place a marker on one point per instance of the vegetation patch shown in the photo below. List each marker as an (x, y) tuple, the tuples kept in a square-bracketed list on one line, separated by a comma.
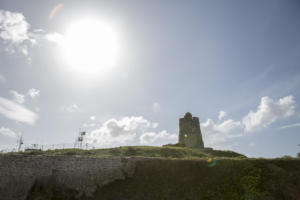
[(141, 151)]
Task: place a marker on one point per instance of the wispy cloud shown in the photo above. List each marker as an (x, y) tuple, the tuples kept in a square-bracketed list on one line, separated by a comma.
[(156, 106), (93, 118), (2, 78), (17, 112), (17, 97), (71, 108), (291, 125), (6, 132), (222, 114), (252, 144), (88, 125), (33, 93), (7, 136), (55, 37)]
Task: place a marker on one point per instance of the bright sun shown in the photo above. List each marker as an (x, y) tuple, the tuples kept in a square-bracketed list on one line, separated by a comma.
[(90, 46)]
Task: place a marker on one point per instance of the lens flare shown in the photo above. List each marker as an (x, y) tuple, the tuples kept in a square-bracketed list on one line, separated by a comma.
[(55, 10), (211, 162)]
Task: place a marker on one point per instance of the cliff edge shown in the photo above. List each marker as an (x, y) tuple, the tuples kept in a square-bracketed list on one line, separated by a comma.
[(45, 177)]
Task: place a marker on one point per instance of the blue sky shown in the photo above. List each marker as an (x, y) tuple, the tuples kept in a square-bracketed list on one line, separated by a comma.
[(234, 64)]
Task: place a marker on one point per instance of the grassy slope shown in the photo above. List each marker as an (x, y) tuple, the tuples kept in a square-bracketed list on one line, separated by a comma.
[(144, 151)]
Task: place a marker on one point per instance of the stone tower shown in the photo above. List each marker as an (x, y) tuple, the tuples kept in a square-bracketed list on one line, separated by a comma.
[(189, 132)]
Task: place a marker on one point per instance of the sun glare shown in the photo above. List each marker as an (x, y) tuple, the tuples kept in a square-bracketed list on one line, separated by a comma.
[(90, 46)]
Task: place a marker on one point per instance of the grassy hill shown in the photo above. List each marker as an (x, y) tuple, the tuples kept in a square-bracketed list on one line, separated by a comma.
[(179, 173), (143, 151)]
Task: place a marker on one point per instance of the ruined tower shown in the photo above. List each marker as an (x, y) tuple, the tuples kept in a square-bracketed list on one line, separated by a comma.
[(189, 132)]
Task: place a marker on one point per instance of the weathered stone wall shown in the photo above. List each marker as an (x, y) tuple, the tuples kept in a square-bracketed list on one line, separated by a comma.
[(70, 177), (83, 174), (189, 132)]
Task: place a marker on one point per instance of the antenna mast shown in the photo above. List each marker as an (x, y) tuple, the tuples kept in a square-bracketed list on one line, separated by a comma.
[(80, 137), (20, 142)]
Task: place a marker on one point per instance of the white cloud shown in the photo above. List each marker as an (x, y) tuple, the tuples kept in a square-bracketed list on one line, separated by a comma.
[(291, 125), (90, 124), (222, 114), (13, 26), (33, 93), (87, 125), (156, 107), (72, 108), (17, 97), (226, 146), (268, 112), (137, 130), (214, 133), (18, 37), (55, 37), (37, 109), (251, 144), (7, 132), (14, 30), (38, 30), (92, 118), (2, 78), (127, 131), (17, 112), (154, 125), (162, 137), (7, 136)]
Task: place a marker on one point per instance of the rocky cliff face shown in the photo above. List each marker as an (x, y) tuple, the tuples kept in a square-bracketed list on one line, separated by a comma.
[(19, 173), (43, 177)]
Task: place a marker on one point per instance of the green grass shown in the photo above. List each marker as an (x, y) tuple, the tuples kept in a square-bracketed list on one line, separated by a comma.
[(143, 151)]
